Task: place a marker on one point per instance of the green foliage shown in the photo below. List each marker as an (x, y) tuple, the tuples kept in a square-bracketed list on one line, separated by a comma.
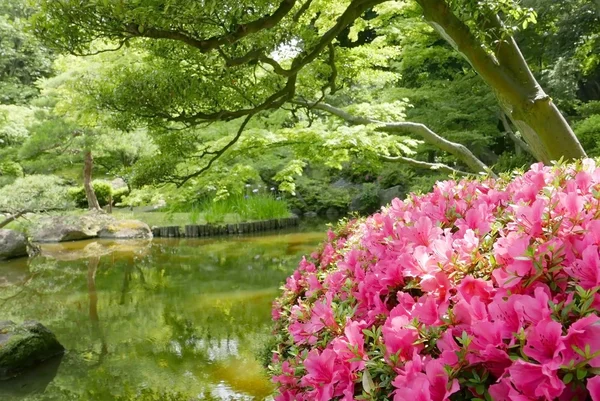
[(146, 195), (588, 132), (36, 193), (509, 161), (318, 195), (118, 195), (368, 198), (24, 59), (14, 123), (103, 192), (249, 207)]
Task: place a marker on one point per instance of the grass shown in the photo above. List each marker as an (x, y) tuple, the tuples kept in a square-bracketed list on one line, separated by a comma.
[(235, 209), (255, 207)]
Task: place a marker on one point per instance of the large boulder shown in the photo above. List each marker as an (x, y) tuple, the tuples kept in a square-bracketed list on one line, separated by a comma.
[(13, 244), (125, 229), (92, 225), (25, 346), (387, 195), (69, 228)]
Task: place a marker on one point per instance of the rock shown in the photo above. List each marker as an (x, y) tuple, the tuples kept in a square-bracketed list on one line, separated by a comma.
[(13, 244), (125, 229), (310, 214), (332, 213), (25, 346), (92, 225), (118, 183), (70, 228), (387, 195)]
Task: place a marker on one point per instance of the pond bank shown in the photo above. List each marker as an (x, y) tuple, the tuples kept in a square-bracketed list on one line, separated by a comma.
[(211, 230)]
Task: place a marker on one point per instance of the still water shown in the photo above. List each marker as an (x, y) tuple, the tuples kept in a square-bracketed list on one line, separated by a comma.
[(168, 319)]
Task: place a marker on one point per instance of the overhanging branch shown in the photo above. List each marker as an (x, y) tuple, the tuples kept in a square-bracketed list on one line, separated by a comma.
[(442, 168), (206, 45), (421, 130), (216, 154)]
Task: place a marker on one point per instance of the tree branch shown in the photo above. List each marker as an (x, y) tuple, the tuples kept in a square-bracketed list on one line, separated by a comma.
[(456, 149), (442, 168), (13, 217), (206, 45), (303, 9), (217, 154), (518, 141)]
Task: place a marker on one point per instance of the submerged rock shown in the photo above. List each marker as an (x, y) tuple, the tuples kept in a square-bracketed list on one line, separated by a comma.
[(25, 346), (125, 229), (13, 244)]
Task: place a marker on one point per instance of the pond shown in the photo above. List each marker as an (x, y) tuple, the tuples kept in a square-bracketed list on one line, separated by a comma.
[(168, 319)]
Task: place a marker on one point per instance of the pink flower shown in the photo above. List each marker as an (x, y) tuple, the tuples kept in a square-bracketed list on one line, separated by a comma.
[(536, 380), (503, 391), (424, 231), (583, 333), (593, 386), (470, 287), (399, 336), (320, 373), (587, 269), (544, 342), (352, 346), (440, 385)]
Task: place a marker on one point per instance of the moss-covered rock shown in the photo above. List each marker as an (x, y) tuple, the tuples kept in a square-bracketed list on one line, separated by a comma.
[(91, 225), (25, 346), (12, 244), (125, 229)]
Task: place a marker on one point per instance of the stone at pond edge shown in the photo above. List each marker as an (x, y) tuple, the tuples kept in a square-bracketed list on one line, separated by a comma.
[(24, 346), (92, 225), (13, 244), (125, 229), (69, 227)]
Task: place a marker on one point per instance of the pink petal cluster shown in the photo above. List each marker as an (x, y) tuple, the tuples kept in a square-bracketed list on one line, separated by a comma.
[(482, 289)]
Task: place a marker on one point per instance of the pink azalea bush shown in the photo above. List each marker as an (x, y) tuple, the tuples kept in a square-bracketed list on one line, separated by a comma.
[(479, 290)]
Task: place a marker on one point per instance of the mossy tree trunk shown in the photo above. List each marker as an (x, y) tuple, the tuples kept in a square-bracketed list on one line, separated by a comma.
[(503, 67)]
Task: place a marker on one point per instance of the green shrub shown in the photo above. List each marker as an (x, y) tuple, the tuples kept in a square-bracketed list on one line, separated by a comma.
[(318, 196), (367, 201), (35, 192), (588, 132), (118, 195), (103, 192)]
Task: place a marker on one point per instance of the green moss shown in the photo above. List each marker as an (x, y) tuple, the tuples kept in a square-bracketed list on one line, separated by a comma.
[(24, 346)]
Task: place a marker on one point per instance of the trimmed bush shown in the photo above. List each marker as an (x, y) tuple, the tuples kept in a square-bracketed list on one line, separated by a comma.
[(118, 195), (479, 290), (102, 189)]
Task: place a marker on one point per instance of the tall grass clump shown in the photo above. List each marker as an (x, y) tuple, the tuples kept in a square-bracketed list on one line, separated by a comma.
[(243, 208)]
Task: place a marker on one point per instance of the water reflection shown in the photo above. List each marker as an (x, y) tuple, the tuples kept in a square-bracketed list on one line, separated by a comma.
[(169, 319)]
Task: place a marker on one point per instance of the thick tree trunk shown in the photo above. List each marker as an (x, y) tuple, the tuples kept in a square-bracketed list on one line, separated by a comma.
[(88, 165), (505, 70)]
